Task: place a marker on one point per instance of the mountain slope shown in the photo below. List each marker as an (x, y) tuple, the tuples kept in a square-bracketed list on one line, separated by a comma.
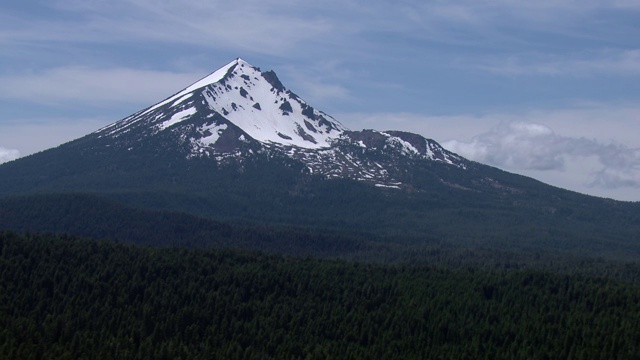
[(239, 145)]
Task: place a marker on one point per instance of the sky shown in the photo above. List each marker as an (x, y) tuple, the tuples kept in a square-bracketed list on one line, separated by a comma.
[(547, 89)]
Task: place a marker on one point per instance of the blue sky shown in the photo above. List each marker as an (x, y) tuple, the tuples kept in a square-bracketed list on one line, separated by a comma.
[(548, 89)]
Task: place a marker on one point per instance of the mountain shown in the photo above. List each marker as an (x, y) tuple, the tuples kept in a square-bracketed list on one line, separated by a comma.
[(238, 146), (239, 110)]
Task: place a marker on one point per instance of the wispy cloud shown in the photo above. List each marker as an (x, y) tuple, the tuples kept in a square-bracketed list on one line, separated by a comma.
[(279, 28), (330, 30), (615, 62), (268, 27), (105, 87), (100, 87), (320, 82)]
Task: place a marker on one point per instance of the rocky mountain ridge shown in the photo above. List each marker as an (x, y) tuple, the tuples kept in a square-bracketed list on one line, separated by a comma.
[(240, 111)]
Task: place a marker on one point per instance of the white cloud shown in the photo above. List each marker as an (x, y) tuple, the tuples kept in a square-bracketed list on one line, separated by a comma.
[(8, 155), (515, 146), (622, 168), (530, 146)]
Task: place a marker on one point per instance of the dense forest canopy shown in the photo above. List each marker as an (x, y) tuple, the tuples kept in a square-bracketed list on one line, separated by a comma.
[(68, 298)]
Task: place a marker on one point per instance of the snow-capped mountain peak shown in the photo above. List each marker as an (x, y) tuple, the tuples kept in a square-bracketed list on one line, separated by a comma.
[(252, 100), (239, 110), (259, 104)]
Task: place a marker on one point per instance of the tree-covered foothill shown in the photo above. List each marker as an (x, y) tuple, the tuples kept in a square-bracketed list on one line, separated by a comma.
[(67, 298), (91, 216)]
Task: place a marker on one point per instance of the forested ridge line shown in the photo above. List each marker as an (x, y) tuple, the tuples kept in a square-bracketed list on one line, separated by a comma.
[(93, 216), (68, 298)]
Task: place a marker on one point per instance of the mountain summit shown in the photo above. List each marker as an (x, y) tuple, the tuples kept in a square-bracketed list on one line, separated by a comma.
[(239, 110), (235, 98)]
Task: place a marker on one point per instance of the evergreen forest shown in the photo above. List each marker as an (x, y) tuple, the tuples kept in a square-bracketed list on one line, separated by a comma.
[(63, 297)]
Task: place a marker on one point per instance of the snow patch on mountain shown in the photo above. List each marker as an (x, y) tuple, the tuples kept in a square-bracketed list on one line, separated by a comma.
[(405, 147), (211, 134), (182, 99), (177, 117)]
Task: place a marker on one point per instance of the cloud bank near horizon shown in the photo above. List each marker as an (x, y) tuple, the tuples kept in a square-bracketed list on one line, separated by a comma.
[(531, 146)]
